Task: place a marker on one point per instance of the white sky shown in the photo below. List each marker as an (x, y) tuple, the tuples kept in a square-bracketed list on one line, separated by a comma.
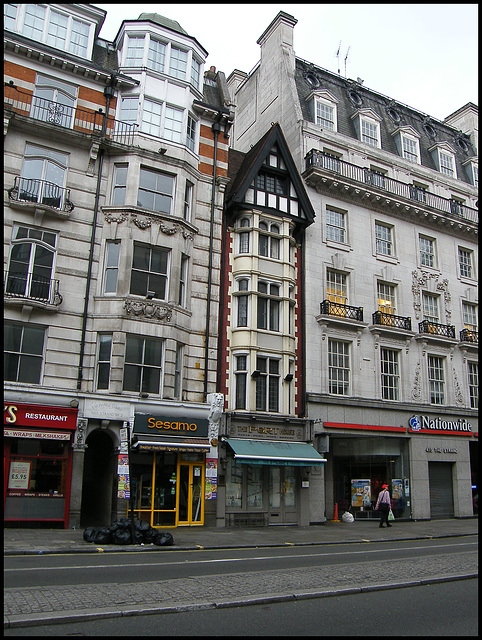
[(423, 55)]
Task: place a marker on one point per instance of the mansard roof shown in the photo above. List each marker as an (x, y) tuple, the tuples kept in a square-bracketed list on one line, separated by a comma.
[(244, 167), (352, 95)]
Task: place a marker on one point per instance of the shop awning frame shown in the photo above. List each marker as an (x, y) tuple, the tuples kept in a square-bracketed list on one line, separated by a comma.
[(300, 454)]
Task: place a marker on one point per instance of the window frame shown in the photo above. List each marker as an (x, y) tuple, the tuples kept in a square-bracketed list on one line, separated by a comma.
[(389, 294), (335, 225), (427, 251), (102, 361), (38, 357), (466, 266), (430, 307), (111, 266), (164, 195), (473, 383), (164, 277), (339, 363), (269, 306), (390, 373), (240, 381), (268, 384), (144, 365), (336, 286), (384, 245), (436, 379)]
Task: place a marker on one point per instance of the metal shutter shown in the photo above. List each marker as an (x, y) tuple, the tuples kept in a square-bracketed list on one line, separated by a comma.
[(441, 490)]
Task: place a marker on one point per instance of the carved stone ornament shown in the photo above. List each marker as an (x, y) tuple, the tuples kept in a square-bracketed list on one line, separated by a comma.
[(147, 310), (109, 217), (417, 391), (459, 398), (215, 413), (430, 281)]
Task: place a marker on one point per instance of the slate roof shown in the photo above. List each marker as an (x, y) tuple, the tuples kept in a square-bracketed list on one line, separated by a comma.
[(309, 77)]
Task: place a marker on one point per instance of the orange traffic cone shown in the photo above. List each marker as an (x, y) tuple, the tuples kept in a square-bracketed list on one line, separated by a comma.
[(335, 514)]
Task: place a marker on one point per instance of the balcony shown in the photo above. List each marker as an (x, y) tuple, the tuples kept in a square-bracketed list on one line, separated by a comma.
[(29, 288), (341, 310), (468, 335), (379, 190), (83, 121), (427, 327), (40, 194), (392, 321)]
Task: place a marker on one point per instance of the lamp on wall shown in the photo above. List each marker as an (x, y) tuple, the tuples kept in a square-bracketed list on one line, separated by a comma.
[(256, 373), (288, 377)]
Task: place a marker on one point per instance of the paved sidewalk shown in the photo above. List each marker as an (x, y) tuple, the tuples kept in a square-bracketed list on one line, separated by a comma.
[(34, 541)]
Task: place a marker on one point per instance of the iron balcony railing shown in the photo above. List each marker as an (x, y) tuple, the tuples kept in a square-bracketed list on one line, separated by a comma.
[(41, 192), (469, 335), (69, 117), (31, 286), (392, 321), (436, 329), (361, 175), (344, 311)]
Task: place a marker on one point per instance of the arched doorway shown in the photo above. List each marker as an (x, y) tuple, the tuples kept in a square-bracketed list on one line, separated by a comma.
[(98, 480)]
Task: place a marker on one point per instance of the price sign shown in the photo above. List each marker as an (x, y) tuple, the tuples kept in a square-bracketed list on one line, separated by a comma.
[(19, 477)]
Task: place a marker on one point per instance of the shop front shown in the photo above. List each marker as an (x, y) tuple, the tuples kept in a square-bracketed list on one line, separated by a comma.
[(168, 469), (363, 458), (426, 461), (266, 466), (37, 463)]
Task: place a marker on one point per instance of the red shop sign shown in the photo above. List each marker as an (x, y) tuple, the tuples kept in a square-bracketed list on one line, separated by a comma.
[(36, 415)]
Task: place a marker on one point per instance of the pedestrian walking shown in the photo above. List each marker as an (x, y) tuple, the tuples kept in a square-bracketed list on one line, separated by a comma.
[(383, 505)]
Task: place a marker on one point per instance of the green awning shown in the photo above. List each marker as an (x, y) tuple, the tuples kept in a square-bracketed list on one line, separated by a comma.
[(299, 454)]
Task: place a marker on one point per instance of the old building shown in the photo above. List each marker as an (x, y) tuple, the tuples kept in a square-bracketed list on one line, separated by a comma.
[(115, 168), (390, 282), (266, 450)]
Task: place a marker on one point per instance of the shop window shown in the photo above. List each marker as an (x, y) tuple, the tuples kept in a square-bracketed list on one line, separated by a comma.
[(23, 353), (143, 365), (149, 276), (338, 367), (436, 379)]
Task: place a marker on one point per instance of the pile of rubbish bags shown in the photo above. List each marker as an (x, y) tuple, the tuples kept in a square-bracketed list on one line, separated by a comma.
[(121, 533)]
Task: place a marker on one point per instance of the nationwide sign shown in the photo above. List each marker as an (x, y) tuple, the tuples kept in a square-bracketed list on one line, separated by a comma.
[(428, 424)]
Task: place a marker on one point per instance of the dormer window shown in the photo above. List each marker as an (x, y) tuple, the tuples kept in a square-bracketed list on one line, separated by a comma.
[(444, 158), (407, 141), (472, 169), (367, 125), (324, 109)]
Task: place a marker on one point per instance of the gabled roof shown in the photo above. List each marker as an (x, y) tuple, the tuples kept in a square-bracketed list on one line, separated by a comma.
[(243, 169)]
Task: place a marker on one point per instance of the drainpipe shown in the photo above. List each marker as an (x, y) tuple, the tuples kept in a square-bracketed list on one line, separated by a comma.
[(216, 128), (108, 92)]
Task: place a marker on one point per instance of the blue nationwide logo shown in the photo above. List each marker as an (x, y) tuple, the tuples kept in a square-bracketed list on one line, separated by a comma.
[(415, 423)]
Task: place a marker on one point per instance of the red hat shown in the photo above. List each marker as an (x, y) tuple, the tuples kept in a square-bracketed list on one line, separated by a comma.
[(384, 486)]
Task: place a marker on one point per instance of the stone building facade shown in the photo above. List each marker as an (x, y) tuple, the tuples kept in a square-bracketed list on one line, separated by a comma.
[(390, 317)]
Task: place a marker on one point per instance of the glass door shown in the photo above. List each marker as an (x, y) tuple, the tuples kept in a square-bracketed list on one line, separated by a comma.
[(282, 495), (191, 493)]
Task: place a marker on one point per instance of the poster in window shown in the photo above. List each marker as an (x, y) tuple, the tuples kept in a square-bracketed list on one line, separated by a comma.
[(361, 493), (19, 477)]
